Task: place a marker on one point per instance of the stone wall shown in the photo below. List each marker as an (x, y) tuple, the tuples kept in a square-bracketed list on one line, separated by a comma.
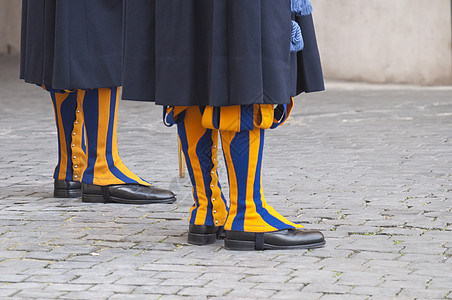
[(10, 11), (397, 41)]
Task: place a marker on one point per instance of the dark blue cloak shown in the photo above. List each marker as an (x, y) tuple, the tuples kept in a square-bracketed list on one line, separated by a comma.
[(216, 52), (72, 44)]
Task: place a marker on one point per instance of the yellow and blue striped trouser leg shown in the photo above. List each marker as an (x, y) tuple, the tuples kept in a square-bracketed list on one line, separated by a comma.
[(104, 166), (200, 147), (71, 139), (248, 209)]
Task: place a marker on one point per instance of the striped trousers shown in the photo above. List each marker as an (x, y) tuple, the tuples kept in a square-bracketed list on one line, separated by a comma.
[(242, 143), (89, 117)]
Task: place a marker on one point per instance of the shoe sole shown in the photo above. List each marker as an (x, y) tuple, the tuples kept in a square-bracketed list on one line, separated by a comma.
[(202, 239), (251, 246), (94, 198), (63, 193)]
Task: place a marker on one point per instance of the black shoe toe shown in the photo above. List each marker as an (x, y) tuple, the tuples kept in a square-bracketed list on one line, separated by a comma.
[(282, 239), (126, 194)]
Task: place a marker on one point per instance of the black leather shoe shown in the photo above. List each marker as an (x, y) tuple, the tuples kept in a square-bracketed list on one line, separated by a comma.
[(282, 239), (66, 189), (126, 194), (204, 234)]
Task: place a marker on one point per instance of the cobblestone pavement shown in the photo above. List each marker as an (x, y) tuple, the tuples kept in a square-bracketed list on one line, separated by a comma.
[(370, 166)]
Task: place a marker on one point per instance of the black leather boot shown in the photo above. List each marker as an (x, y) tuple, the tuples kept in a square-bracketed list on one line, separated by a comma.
[(126, 194), (204, 234), (276, 240), (66, 189)]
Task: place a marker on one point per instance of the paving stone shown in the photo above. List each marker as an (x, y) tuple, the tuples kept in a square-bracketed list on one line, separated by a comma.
[(360, 278), (31, 247), (12, 254), (174, 268), (267, 278), (327, 288), (51, 278), (69, 287), (372, 243), (343, 264), (380, 266), (376, 291), (408, 283), (38, 294), (201, 291), (138, 281), (115, 288), (313, 276), (6, 292), (285, 286), (257, 294), (159, 290), (370, 255), (165, 246), (231, 285), (71, 265), (324, 252), (184, 282), (20, 265), (408, 257), (265, 271), (95, 279), (46, 256), (423, 293), (87, 295), (394, 231), (440, 283), (296, 295), (169, 275), (171, 297), (45, 272), (344, 297), (12, 278), (24, 285), (431, 269), (134, 297)]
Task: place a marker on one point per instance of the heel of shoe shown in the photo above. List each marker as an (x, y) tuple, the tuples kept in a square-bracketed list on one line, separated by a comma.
[(202, 239), (92, 198), (239, 245), (67, 193)]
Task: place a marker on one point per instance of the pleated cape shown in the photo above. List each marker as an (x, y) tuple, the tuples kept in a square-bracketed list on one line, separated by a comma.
[(72, 44), (216, 52)]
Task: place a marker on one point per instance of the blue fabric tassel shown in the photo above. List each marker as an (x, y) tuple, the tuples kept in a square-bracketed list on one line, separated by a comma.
[(296, 43), (301, 7)]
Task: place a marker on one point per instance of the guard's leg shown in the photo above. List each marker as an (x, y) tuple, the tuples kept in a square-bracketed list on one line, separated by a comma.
[(249, 211), (106, 178), (200, 147), (252, 223), (104, 166), (71, 145)]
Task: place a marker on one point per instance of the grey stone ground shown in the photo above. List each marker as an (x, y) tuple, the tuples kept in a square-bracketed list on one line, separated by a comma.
[(370, 166)]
